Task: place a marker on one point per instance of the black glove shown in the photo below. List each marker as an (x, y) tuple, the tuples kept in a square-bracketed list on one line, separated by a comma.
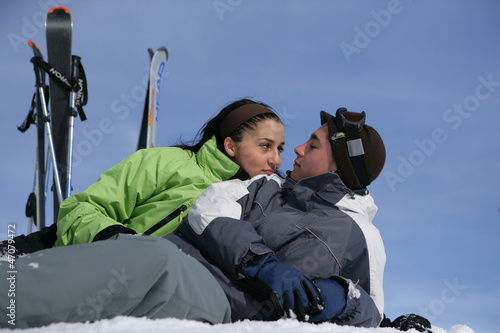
[(291, 290), (408, 321), (24, 244), (112, 231)]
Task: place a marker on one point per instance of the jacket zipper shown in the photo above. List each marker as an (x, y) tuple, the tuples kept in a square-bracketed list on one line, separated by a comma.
[(167, 219), (327, 246)]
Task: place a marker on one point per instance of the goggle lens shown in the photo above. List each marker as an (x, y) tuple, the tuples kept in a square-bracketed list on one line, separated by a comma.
[(344, 117)]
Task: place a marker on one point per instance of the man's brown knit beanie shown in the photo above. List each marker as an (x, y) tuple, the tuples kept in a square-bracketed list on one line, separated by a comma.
[(371, 153)]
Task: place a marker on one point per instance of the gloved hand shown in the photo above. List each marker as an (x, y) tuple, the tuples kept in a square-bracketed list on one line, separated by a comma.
[(291, 290), (111, 231), (334, 297), (408, 321)]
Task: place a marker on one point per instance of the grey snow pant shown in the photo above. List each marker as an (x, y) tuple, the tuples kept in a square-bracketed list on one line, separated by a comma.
[(126, 275)]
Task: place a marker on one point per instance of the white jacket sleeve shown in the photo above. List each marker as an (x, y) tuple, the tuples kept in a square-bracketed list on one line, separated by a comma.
[(218, 200), (215, 225)]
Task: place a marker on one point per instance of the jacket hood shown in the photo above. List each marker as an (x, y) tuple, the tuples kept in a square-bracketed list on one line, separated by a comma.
[(215, 164)]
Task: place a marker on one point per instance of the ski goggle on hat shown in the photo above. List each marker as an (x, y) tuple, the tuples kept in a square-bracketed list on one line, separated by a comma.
[(357, 148)]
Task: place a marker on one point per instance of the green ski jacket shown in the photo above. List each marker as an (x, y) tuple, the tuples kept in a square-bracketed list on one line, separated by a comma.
[(148, 192)]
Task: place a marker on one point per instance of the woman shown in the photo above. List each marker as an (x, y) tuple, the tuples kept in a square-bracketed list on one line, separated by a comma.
[(134, 275), (153, 189)]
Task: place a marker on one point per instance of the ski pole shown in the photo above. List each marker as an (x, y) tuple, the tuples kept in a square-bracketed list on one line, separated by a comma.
[(40, 142), (41, 96), (52, 152), (47, 175), (72, 116)]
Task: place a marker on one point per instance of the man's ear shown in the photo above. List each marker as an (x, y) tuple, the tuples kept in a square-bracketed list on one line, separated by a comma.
[(333, 166), (230, 147)]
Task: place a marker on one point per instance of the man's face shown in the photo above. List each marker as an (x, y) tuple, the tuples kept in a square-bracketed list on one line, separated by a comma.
[(313, 157)]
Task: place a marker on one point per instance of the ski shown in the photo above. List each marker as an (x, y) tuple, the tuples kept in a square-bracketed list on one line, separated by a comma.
[(39, 189), (147, 135), (35, 206), (141, 144), (71, 96), (58, 30)]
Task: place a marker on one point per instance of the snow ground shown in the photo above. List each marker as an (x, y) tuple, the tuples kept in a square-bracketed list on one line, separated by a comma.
[(130, 325)]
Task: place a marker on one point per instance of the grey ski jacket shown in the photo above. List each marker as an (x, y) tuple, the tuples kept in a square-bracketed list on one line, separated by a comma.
[(316, 225)]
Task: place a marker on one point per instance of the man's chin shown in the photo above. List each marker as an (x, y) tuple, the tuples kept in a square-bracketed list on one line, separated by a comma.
[(293, 175)]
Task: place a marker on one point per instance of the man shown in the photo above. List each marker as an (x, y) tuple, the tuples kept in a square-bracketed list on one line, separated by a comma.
[(305, 245)]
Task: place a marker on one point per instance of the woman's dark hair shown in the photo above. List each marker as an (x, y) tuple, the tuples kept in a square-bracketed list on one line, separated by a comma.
[(211, 127)]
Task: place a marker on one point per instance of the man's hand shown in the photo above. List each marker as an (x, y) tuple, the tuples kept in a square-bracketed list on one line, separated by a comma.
[(334, 297), (291, 290)]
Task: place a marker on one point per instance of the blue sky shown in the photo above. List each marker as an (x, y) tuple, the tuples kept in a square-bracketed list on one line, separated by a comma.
[(426, 72)]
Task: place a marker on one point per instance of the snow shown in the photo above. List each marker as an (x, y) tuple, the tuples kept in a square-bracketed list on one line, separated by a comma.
[(353, 291), (34, 265), (132, 324)]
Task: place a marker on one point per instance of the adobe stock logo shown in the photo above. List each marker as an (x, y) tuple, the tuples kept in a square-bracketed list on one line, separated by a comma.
[(373, 28), (121, 109), (285, 116), (453, 116), (29, 29), (448, 295), (223, 6), (94, 305)]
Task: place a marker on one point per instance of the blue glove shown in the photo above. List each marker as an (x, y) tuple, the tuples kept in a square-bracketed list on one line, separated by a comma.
[(291, 290), (334, 297)]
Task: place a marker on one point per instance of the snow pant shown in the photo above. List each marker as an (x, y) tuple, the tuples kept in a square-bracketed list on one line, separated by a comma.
[(244, 298), (138, 276)]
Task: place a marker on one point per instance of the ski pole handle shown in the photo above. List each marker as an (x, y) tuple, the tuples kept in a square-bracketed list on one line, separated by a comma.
[(75, 74), (39, 73)]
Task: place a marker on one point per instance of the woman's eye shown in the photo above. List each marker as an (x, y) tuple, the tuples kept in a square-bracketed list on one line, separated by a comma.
[(281, 149), (265, 145)]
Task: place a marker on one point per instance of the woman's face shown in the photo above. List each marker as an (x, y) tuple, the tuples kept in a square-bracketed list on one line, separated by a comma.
[(259, 152)]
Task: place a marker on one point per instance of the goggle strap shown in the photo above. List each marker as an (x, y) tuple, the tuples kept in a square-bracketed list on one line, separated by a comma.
[(356, 153), (355, 147)]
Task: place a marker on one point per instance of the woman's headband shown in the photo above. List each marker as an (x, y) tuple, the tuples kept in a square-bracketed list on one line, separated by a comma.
[(238, 116)]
